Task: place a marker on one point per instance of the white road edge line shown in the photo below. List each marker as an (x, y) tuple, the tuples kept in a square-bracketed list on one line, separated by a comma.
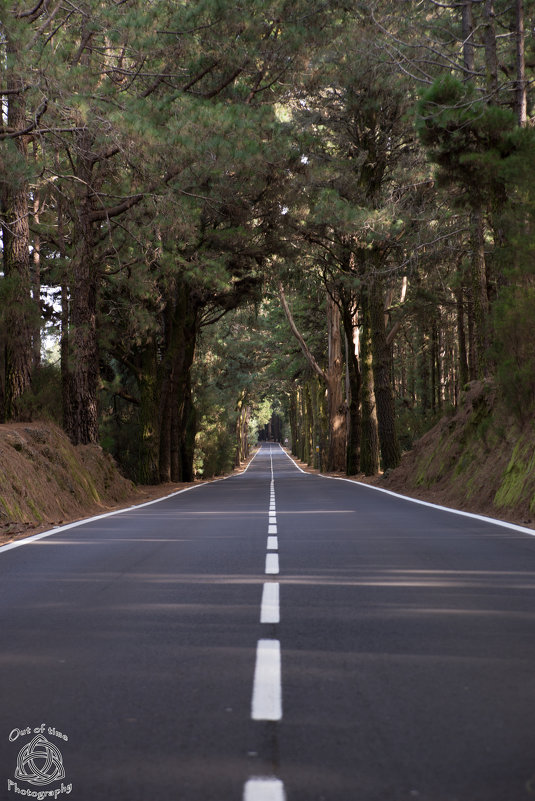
[(267, 690), (264, 789), (270, 608), (272, 564), (459, 512)]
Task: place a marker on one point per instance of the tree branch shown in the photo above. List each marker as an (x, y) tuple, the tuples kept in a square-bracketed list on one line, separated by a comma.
[(225, 82), (15, 134), (32, 12), (121, 393), (100, 215), (304, 347)]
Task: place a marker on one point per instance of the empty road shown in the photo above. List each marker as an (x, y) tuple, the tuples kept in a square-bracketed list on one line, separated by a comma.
[(272, 636)]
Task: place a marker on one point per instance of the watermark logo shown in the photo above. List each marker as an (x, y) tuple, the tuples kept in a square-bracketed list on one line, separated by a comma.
[(39, 763)]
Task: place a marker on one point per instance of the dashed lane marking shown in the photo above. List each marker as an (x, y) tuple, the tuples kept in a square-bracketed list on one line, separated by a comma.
[(272, 563), (270, 608), (267, 689), (264, 789)]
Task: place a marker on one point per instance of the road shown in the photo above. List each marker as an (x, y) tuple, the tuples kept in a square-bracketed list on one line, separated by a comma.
[(275, 635)]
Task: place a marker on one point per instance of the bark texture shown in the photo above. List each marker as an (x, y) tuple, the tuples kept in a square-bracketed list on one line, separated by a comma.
[(382, 372)]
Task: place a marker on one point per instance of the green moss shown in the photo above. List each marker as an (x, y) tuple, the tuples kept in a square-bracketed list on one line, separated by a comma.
[(6, 506), (470, 486), (35, 511), (516, 475), (422, 476), (84, 481), (464, 463), (13, 512)]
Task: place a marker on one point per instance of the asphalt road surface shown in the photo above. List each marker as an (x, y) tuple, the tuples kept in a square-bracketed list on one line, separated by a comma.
[(275, 635)]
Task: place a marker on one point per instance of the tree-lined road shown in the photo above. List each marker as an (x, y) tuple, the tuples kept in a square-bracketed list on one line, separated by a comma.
[(274, 635)]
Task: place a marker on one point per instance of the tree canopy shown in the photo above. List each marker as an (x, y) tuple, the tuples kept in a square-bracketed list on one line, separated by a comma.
[(311, 221)]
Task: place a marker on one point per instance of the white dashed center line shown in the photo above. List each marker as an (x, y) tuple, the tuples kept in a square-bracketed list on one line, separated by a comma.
[(267, 691), (270, 609), (272, 563), (264, 789), (266, 704)]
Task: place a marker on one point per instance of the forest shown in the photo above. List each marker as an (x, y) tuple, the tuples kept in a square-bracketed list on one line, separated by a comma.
[(309, 220)]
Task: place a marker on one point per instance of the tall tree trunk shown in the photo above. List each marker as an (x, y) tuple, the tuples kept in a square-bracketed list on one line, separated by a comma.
[(83, 345), (2, 377), (241, 408), (369, 439), (382, 371), (337, 410), (314, 404), (354, 399), (187, 445), (521, 85), (479, 293), (184, 405), (294, 429), (177, 405), (64, 357), (468, 42), (472, 362), (16, 248), (36, 278), (149, 427), (165, 416), (423, 366), (491, 56), (181, 328), (309, 425), (83, 367), (478, 298), (300, 417), (461, 336), (65, 312)]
